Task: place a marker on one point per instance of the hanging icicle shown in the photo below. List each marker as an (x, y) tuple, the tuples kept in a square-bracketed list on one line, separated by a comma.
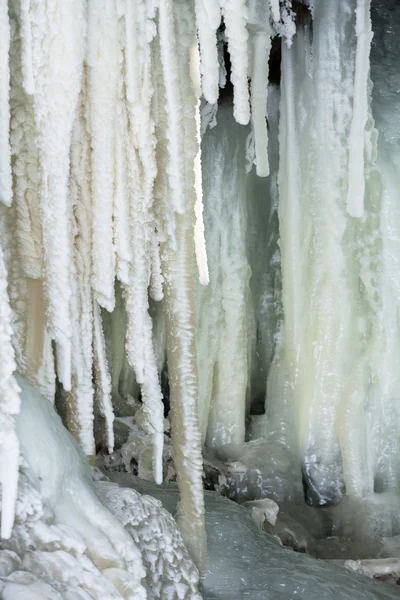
[(356, 186), (208, 19), (58, 39), (103, 68), (5, 157), (235, 13), (258, 24), (103, 379), (9, 406), (142, 169), (177, 21), (199, 240), (80, 400)]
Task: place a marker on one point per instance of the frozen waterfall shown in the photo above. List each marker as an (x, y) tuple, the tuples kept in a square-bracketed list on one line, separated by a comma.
[(199, 271)]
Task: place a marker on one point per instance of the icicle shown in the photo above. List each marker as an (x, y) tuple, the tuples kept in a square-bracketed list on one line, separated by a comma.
[(356, 185), (103, 63), (123, 250), (199, 239), (259, 96), (179, 270), (208, 18), (258, 25), (80, 400), (9, 406), (58, 39), (26, 47), (275, 10), (140, 147), (235, 16), (156, 278), (103, 378), (26, 216), (5, 158), (173, 102)]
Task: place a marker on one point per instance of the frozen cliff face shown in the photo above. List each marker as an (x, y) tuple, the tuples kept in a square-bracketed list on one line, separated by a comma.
[(77, 539)]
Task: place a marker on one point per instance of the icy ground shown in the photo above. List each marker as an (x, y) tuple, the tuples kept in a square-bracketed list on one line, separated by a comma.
[(244, 562), (76, 540), (67, 545)]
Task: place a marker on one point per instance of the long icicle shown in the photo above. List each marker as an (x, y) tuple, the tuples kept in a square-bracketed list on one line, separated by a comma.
[(259, 97), (356, 186), (208, 19), (5, 156), (58, 40), (9, 405), (80, 400), (179, 270), (103, 67), (140, 146), (199, 239), (235, 15)]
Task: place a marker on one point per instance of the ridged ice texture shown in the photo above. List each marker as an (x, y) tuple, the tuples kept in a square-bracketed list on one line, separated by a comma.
[(179, 268), (74, 539), (57, 51), (257, 567), (235, 13), (103, 67), (9, 406), (5, 154), (208, 19)]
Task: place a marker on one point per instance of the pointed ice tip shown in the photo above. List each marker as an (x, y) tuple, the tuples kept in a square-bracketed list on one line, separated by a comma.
[(262, 171), (355, 209)]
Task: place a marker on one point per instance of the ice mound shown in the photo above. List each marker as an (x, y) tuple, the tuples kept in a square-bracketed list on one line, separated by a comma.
[(78, 539)]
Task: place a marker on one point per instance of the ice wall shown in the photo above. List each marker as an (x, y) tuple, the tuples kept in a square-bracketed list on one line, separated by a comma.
[(332, 384), (384, 411)]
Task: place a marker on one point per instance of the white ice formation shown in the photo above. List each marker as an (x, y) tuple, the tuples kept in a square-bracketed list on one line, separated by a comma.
[(137, 246), (101, 102), (74, 539)]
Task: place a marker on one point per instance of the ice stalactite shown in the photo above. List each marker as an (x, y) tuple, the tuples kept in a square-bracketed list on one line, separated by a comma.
[(208, 19), (199, 239), (141, 174), (5, 153), (258, 21), (179, 270), (80, 401), (356, 189), (103, 379), (235, 13), (9, 407), (58, 41), (103, 67)]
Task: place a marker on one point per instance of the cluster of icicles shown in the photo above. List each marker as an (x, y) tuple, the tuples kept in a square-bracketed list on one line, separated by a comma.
[(100, 179)]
